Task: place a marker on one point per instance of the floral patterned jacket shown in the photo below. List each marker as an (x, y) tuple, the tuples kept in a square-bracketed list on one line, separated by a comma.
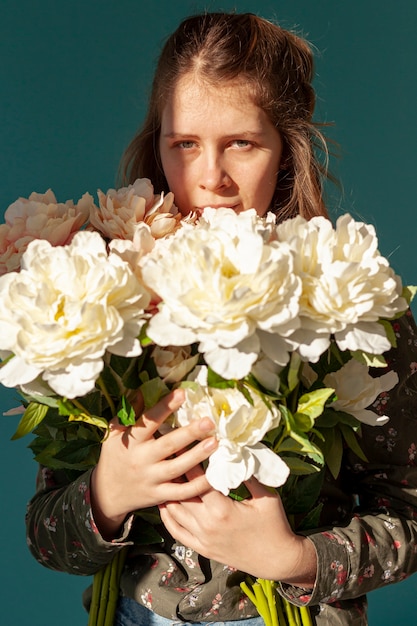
[(367, 538)]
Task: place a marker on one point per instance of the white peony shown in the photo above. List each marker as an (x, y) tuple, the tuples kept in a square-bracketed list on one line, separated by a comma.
[(267, 373), (239, 428), (347, 286), (225, 287), (356, 390), (39, 217), (67, 306)]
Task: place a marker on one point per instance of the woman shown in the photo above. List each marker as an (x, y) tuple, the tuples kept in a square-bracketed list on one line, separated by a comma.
[(230, 124)]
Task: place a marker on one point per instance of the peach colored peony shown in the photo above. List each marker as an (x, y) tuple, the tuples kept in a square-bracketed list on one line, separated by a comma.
[(39, 217), (123, 209)]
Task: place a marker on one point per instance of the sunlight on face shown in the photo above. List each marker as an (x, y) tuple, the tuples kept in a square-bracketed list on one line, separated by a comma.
[(218, 148)]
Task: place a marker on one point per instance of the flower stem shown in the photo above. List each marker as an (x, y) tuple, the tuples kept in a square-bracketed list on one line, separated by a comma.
[(106, 394), (262, 604), (269, 590), (104, 594), (106, 585), (305, 616), (114, 584), (95, 600), (273, 608), (280, 615), (290, 613), (248, 591), (78, 404)]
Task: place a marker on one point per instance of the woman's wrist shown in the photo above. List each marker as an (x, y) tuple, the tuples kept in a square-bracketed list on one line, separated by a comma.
[(109, 526), (304, 569)]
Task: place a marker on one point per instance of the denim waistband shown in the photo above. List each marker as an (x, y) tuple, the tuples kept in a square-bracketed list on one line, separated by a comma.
[(131, 613)]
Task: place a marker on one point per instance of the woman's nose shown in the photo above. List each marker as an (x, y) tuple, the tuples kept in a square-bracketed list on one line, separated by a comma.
[(213, 174)]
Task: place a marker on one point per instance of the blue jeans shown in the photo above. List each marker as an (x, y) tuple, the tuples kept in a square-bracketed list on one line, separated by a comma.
[(131, 613)]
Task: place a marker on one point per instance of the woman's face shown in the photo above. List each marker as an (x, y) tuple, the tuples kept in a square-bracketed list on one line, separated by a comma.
[(218, 148)]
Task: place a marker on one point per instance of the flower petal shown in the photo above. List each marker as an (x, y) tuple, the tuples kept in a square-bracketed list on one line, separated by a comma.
[(270, 469)]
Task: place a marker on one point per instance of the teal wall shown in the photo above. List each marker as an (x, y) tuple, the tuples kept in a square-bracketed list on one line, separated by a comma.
[(74, 78)]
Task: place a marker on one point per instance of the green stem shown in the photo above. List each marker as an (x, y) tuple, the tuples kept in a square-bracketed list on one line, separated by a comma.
[(280, 614), (294, 399), (336, 352), (248, 591), (106, 394), (286, 431), (104, 595), (290, 614), (269, 590), (262, 604), (106, 585), (78, 404), (95, 600), (305, 616), (294, 613), (114, 586)]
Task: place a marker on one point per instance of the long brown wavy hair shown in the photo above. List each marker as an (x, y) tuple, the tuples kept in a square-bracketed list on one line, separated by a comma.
[(277, 67)]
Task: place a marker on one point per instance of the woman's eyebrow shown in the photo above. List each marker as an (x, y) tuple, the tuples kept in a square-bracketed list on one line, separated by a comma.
[(244, 133)]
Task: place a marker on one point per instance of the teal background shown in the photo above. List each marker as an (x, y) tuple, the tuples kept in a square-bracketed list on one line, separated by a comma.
[(74, 78)]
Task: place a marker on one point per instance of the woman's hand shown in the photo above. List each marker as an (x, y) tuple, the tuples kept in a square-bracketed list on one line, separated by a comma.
[(138, 470), (253, 535)]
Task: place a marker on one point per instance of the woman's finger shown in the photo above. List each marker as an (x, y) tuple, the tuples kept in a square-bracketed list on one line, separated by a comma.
[(152, 418), (183, 464), (257, 490)]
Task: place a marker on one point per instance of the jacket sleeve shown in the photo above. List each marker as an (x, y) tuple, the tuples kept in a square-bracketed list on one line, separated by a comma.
[(61, 532), (377, 544)]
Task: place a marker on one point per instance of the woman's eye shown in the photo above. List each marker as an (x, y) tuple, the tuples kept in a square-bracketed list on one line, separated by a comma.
[(186, 145), (241, 143)]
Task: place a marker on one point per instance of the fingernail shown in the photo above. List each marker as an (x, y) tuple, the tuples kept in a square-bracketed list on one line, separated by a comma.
[(206, 425), (210, 444), (177, 398)]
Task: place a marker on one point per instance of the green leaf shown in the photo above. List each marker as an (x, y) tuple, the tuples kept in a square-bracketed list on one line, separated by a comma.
[(352, 441), (302, 422), (300, 493), (217, 381), (312, 519), (241, 493), (129, 369), (126, 413), (100, 422), (299, 467), (120, 364), (152, 391), (312, 403), (371, 360), (32, 416), (293, 371), (110, 380), (389, 332), (302, 445), (247, 394), (144, 533), (51, 401), (143, 337), (331, 418), (409, 292), (46, 456), (332, 448), (66, 407), (298, 436), (77, 454), (286, 416)]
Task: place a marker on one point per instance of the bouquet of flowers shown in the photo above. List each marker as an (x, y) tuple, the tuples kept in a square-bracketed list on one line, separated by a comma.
[(270, 328)]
